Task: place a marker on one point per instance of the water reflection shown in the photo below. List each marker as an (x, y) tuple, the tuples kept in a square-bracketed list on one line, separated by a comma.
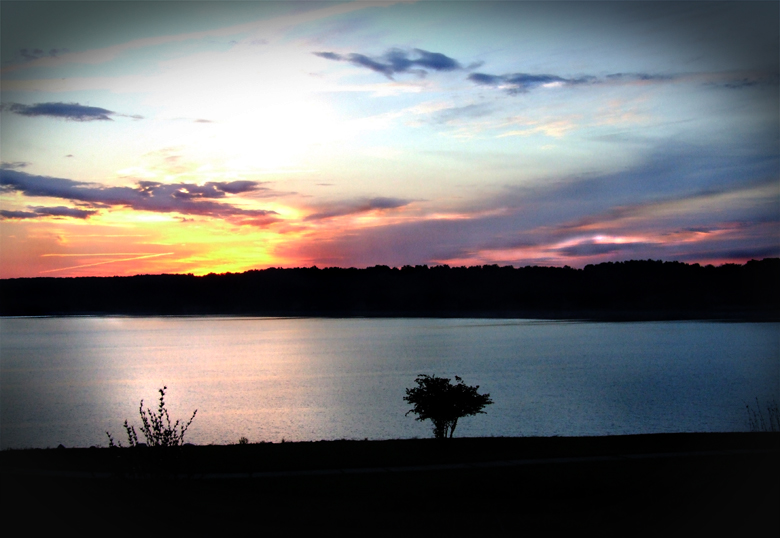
[(67, 380)]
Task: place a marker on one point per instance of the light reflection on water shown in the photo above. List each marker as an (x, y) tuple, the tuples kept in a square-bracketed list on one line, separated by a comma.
[(68, 380)]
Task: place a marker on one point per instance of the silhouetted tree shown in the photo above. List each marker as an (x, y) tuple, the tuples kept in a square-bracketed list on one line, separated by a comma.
[(437, 399)]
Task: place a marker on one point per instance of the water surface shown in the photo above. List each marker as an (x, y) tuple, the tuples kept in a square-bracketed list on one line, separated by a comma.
[(68, 380)]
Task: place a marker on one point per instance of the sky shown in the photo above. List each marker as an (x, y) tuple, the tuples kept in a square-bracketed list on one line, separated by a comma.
[(200, 137)]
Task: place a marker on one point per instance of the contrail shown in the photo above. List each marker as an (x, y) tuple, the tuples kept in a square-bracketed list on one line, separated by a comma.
[(110, 261)]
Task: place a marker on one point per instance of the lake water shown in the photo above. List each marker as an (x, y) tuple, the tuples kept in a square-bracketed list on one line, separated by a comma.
[(68, 380)]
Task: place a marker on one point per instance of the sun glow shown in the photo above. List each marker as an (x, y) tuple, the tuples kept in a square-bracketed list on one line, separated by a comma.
[(276, 134)]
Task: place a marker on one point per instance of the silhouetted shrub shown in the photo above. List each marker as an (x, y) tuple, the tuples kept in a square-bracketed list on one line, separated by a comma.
[(160, 456), (437, 399), (758, 423), (156, 427)]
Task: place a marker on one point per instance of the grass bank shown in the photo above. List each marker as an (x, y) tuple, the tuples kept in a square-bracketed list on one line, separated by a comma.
[(643, 485)]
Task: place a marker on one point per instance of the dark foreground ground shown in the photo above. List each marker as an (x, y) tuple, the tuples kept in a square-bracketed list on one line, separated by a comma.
[(644, 485)]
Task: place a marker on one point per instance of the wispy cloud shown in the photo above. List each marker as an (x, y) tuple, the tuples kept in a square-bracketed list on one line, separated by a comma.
[(353, 207), (58, 211), (272, 25), (67, 111), (521, 83), (13, 165), (29, 55), (515, 83), (663, 208), (396, 61)]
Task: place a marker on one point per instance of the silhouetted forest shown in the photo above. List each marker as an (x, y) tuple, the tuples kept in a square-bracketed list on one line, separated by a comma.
[(622, 290)]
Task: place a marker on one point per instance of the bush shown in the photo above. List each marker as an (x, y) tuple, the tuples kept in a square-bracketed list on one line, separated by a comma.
[(162, 456), (156, 427), (758, 423)]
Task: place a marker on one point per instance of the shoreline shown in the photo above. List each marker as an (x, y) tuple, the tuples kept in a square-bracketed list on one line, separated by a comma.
[(296, 456), (740, 316), (594, 484)]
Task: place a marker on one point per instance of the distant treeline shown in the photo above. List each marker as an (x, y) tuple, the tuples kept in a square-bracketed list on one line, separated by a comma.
[(623, 290)]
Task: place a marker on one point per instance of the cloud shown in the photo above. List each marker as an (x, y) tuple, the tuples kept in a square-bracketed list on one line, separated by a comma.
[(192, 191), (236, 187), (678, 200), (396, 61), (737, 253), (68, 111), (750, 80), (455, 113), (593, 247), (13, 165), (358, 206), (58, 211), (29, 55), (517, 83), (183, 198), (330, 56), (274, 25), (639, 77)]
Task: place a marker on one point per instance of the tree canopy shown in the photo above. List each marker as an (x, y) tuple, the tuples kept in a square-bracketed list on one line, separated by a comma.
[(438, 400)]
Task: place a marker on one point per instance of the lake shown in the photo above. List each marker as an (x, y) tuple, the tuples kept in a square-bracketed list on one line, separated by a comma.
[(69, 380)]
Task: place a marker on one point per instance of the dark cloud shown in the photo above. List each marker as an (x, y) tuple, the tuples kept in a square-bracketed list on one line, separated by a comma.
[(396, 61), (358, 206), (591, 248), (674, 191), (29, 55), (755, 79), (184, 198), (517, 83), (13, 165), (17, 214), (192, 191), (330, 56), (641, 77), (737, 253), (68, 111), (743, 83), (58, 211), (365, 61), (724, 80), (485, 79), (237, 187)]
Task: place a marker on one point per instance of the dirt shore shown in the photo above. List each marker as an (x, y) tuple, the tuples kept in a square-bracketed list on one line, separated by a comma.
[(719, 484)]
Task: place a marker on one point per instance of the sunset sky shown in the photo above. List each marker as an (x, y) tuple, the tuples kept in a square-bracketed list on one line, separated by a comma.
[(198, 137)]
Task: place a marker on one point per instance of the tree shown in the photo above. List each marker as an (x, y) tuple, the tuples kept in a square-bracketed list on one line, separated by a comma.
[(437, 399)]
